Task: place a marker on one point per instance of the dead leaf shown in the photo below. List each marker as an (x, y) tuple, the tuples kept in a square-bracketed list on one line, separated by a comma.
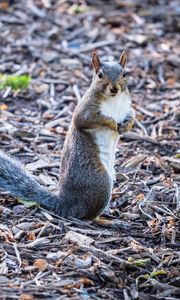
[(41, 264), (78, 238), (3, 107), (26, 297), (86, 282), (31, 236)]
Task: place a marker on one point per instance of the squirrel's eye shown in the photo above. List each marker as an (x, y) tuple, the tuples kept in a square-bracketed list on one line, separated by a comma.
[(100, 74), (124, 75)]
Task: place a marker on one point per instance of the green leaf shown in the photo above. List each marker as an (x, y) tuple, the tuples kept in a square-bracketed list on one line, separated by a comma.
[(17, 82), (141, 262), (158, 272)]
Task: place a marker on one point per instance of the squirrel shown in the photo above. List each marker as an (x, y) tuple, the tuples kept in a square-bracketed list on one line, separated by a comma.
[(87, 162)]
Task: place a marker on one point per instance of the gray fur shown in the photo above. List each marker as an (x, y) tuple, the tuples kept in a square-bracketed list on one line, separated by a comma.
[(17, 181), (112, 70), (84, 185)]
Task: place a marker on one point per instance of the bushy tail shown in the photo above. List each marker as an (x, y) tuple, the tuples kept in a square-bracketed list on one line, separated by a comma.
[(16, 180)]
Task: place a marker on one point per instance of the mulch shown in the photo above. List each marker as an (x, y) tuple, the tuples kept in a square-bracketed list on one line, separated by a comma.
[(43, 256)]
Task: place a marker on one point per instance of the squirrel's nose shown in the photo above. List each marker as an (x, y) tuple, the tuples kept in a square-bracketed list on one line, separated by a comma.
[(114, 90)]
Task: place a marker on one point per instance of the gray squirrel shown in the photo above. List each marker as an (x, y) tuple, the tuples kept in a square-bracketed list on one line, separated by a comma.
[(87, 163)]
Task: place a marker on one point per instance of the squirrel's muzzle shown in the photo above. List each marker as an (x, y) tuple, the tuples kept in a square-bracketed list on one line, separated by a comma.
[(114, 90)]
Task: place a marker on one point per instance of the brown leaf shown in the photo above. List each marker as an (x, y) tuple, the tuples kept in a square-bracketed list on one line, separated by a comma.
[(4, 4), (26, 297), (31, 236), (41, 264), (86, 282)]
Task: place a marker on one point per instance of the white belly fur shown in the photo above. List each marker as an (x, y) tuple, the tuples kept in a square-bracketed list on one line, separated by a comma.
[(117, 108)]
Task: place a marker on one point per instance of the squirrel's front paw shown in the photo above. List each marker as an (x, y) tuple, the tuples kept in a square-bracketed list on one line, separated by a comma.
[(126, 125)]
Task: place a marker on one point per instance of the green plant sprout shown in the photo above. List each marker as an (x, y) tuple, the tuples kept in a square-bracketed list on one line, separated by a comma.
[(16, 82)]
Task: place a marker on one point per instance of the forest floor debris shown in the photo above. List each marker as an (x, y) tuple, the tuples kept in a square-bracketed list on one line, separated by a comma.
[(43, 256)]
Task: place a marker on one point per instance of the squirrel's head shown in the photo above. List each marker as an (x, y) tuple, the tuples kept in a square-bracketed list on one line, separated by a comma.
[(109, 77)]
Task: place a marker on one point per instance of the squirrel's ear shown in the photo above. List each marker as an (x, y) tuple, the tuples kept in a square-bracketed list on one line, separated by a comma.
[(123, 59), (96, 62)]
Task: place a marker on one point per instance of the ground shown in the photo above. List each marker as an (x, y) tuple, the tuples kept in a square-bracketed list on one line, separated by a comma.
[(44, 256)]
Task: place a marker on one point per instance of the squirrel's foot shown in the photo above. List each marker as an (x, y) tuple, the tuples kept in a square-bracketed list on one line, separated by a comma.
[(114, 224), (126, 125)]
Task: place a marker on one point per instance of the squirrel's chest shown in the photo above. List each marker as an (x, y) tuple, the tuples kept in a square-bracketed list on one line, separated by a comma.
[(107, 142), (117, 107)]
